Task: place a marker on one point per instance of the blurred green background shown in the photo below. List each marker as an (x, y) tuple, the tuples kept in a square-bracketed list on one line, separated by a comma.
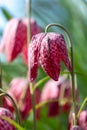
[(70, 13)]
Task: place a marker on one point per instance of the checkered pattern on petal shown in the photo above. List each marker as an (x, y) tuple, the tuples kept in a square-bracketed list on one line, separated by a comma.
[(48, 50)]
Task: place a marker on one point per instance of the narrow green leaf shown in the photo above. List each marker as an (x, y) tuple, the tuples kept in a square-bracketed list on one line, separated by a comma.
[(6, 13), (13, 123)]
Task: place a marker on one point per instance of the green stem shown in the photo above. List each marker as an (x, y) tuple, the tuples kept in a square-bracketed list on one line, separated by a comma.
[(42, 103), (13, 123), (2, 94), (15, 106), (47, 77), (28, 12), (40, 82), (72, 63), (33, 105), (82, 106)]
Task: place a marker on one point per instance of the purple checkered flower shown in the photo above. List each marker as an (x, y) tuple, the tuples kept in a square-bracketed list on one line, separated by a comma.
[(47, 50)]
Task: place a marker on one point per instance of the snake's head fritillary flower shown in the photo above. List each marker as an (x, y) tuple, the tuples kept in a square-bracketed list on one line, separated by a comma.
[(61, 93), (14, 38), (5, 125), (48, 50), (17, 92), (76, 128), (81, 121)]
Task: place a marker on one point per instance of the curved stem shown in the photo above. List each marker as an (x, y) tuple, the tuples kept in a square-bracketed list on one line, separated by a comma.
[(40, 82), (42, 103), (15, 106), (13, 123), (72, 63), (2, 94)]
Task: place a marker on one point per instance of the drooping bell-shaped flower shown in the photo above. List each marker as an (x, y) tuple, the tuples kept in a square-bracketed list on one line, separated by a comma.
[(14, 38), (48, 50), (57, 91), (81, 121), (58, 95), (16, 91), (5, 125), (76, 127)]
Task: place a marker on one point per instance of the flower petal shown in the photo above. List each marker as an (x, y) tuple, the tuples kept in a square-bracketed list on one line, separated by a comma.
[(33, 55), (62, 50), (17, 94), (14, 38), (49, 56), (48, 50)]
